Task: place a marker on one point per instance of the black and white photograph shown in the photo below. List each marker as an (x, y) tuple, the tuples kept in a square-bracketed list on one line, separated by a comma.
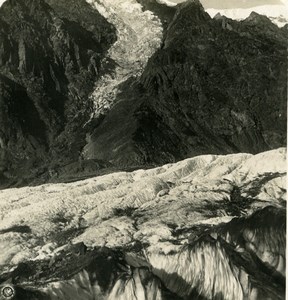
[(143, 149)]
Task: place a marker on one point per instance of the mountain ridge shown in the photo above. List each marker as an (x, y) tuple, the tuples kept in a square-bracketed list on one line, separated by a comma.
[(183, 103), (189, 55)]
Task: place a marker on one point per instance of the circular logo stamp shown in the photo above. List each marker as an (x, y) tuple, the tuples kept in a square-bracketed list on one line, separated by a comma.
[(7, 291)]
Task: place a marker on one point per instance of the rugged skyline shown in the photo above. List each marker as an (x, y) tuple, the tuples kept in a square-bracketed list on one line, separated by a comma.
[(225, 3), (235, 3)]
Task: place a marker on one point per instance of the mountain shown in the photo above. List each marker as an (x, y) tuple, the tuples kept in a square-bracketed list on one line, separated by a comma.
[(214, 86), (278, 14), (276, 10), (73, 104), (48, 66), (208, 227)]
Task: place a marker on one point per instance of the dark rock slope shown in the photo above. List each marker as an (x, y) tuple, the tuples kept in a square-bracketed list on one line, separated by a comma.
[(215, 86), (49, 60)]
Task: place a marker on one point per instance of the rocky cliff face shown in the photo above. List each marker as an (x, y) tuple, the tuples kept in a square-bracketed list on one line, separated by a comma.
[(224, 79), (209, 227), (215, 86), (69, 61), (48, 65)]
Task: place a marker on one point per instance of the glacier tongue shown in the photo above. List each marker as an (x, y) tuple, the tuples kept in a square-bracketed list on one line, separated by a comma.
[(208, 189), (210, 225), (139, 34)]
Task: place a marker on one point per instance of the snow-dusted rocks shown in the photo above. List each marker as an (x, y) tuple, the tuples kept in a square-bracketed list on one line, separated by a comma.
[(196, 203)]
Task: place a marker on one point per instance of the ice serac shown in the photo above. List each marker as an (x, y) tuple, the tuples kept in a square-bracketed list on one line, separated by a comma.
[(139, 34), (208, 227)]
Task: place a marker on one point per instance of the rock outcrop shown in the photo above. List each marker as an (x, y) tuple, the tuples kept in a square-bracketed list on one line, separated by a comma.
[(50, 57)]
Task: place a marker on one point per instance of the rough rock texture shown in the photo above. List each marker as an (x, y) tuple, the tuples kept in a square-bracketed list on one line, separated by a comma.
[(72, 83), (50, 57), (215, 86), (209, 227), (229, 80)]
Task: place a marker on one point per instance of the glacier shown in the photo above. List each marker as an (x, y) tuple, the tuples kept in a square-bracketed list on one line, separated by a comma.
[(211, 226), (139, 33)]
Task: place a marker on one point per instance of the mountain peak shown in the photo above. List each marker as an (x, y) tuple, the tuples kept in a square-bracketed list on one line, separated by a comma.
[(218, 16), (254, 17), (192, 11), (195, 3)]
